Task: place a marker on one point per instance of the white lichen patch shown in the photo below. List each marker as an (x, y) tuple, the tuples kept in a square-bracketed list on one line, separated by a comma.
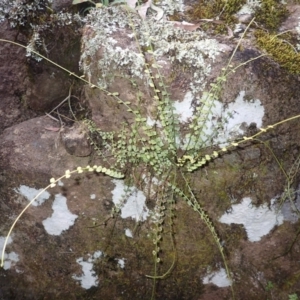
[(61, 219), (237, 114), (298, 32), (225, 123), (184, 108), (121, 262), (112, 24), (10, 258), (289, 213), (151, 122), (249, 7), (88, 278), (29, 193), (258, 221), (130, 200), (218, 278), (128, 233), (171, 6), (290, 209)]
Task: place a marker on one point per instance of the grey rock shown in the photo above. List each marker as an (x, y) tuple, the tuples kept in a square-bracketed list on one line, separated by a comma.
[(59, 5)]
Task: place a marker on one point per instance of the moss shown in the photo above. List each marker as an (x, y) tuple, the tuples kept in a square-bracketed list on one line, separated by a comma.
[(282, 52), (271, 14), (224, 10)]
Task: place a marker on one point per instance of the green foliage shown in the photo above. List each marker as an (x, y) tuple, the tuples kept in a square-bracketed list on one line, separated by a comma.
[(289, 192), (293, 297), (222, 12), (279, 50), (270, 14), (82, 1), (269, 286)]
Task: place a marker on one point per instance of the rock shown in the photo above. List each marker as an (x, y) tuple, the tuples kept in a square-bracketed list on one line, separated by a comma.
[(292, 20), (59, 5), (32, 147), (75, 140), (96, 245), (13, 74), (47, 89)]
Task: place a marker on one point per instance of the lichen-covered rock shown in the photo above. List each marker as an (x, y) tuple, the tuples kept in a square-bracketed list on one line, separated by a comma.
[(34, 84), (95, 237)]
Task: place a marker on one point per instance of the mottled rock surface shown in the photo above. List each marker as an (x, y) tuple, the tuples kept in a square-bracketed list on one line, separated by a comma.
[(100, 257)]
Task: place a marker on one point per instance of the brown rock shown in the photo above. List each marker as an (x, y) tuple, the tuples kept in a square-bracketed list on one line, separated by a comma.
[(75, 140)]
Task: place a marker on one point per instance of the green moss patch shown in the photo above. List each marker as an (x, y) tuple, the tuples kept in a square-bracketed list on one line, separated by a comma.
[(271, 14), (281, 51)]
